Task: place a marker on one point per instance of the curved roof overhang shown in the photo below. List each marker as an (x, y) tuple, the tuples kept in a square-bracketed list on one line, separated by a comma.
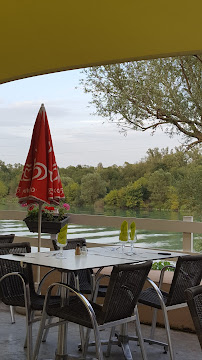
[(45, 36)]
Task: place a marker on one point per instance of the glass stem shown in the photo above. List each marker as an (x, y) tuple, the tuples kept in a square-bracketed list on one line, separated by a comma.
[(61, 251)]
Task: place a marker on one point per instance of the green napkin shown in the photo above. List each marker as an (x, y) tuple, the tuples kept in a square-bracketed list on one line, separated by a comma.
[(132, 230), (124, 231), (62, 236)]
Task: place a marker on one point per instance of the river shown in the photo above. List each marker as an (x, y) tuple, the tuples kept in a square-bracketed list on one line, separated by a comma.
[(102, 235)]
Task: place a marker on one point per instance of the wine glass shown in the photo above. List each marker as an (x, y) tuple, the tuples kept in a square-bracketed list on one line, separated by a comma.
[(60, 253), (123, 243), (132, 242)]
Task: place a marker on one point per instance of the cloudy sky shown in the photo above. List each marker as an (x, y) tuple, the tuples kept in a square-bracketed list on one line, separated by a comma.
[(78, 137)]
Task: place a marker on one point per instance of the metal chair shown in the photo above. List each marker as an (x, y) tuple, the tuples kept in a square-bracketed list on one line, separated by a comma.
[(194, 301), (188, 273), (125, 285), (17, 288), (7, 239), (83, 280)]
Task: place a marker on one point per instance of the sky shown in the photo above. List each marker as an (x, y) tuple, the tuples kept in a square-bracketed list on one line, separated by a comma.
[(79, 138)]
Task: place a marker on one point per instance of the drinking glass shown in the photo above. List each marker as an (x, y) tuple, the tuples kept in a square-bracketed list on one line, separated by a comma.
[(123, 244), (60, 253), (132, 242)]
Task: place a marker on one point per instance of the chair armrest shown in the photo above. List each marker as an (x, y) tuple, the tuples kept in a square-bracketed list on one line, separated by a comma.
[(97, 273), (43, 279), (82, 298), (97, 284), (21, 276), (25, 287), (158, 291), (162, 274)]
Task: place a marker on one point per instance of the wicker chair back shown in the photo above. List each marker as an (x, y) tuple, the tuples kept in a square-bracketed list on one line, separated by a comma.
[(188, 273), (194, 301), (125, 285), (85, 281), (11, 288), (8, 239)]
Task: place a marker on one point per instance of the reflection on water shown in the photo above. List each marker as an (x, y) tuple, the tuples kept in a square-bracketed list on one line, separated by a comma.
[(100, 235), (172, 241)]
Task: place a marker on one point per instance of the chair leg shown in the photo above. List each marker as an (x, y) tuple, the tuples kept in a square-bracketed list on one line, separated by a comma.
[(12, 314), (139, 334), (86, 342), (154, 320), (45, 334), (123, 338), (82, 338), (109, 346), (29, 332), (99, 352), (31, 319), (167, 327), (40, 335)]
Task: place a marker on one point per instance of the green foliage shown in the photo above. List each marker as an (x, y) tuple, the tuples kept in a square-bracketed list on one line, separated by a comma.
[(158, 185), (3, 189), (134, 196), (92, 188), (112, 199), (146, 95), (189, 187), (158, 265), (162, 180), (72, 192), (198, 245), (47, 213), (76, 172)]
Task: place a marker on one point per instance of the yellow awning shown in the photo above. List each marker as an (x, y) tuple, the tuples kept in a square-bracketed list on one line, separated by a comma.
[(44, 36)]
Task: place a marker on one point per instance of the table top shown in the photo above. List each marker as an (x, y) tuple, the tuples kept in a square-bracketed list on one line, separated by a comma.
[(96, 257)]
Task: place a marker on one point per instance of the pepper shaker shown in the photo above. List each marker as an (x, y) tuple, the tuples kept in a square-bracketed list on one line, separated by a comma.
[(78, 249)]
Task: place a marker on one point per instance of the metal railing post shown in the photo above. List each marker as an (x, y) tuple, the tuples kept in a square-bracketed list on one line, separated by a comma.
[(188, 237)]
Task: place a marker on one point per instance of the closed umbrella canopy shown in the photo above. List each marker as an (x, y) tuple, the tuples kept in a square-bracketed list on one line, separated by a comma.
[(40, 181), (39, 37)]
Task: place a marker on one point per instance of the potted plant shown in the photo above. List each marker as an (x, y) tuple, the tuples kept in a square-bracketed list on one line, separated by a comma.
[(53, 218)]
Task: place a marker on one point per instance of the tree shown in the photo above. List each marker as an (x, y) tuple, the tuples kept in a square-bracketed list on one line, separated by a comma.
[(92, 188), (190, 188), (143, 95), (73, 193), (3, 189), (158, 184)]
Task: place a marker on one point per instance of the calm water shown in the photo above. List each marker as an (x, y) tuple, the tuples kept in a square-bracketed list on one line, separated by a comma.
[(172, 241)]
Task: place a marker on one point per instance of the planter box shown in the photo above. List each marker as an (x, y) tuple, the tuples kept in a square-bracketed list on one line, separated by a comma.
[(50, 227)]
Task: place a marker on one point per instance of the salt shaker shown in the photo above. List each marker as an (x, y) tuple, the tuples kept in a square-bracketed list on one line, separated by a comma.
[(84, 249)]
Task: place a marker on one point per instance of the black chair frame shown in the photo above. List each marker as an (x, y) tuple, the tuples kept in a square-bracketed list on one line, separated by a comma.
[(17, 288), (126, 283), (194, 301), (188, 272)]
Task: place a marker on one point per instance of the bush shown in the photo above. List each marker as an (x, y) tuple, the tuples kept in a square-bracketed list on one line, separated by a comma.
[(158, 265)]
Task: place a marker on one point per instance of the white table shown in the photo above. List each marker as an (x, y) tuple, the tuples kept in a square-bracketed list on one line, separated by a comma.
[(97, 257)]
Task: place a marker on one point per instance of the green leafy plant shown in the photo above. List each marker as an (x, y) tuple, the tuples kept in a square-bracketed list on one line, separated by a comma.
[(158, 265), (49, 213)]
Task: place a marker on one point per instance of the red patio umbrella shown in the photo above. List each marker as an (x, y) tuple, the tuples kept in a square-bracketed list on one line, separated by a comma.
[(40, 182)]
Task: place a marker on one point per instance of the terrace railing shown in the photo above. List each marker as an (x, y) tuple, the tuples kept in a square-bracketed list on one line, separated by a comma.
[(187, 227)]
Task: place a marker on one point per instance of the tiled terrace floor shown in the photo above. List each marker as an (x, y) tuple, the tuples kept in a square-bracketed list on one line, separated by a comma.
[(186, 346)]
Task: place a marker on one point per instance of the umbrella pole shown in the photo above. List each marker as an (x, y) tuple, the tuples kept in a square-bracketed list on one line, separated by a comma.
[(39, 239)]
